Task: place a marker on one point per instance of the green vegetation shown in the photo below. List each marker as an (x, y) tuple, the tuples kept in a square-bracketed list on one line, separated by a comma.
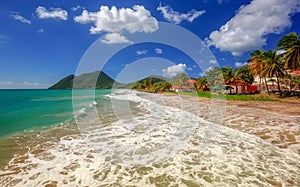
[(65, 83), (152, 84), (97, 79), (218, 76), (202, 84), (267, 64), (290, 43), (264, 64), (207, 94)]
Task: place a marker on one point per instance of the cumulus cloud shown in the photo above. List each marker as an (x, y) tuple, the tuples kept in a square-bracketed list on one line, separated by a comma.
[(113, 38), (20, 18), (158, 51), (174, 70), (175, 17), (114, 20), (248, 29), (141, 52), (239, 64), (54, 13)]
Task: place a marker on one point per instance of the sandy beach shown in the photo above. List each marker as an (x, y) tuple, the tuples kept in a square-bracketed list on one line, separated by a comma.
[(276, 122)]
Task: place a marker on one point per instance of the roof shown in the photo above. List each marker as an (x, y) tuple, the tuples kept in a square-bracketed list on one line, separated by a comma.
[(223, 87), (192, 81), (295, 72)]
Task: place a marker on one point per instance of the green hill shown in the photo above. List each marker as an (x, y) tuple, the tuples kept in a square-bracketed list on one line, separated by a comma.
[(86, 80), (151, 84)]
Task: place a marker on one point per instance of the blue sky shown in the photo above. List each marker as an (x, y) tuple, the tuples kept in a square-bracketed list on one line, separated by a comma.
[(43, 41)]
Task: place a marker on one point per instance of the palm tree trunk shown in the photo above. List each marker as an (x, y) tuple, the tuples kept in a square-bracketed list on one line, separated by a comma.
[(267, 86), (260, 84), (278, 85)]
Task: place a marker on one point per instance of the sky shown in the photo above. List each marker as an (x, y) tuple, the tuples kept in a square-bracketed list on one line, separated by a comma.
[(42, 41)]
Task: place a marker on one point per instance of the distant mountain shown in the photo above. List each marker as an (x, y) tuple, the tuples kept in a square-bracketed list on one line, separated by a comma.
[(86, 80)]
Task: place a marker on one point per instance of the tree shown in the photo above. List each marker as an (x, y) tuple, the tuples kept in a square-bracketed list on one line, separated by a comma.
[(215, 76), (202, 84), (181, 79), (161, 86), (245, 74), (146, 84), (273, 66), (227, 73), (257, 67), (290, 43)]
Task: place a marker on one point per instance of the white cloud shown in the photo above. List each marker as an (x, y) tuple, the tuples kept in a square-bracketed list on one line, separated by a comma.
[(20, 18), (5, 83), (202, 74), (175, 17), (76, 8), (174, 70), (114, 38), (41, 31), (248, 29), (113, 20), (212, 61), (142, 52), (4, 40), (158, 51), (54, 13), (23, 85), (239, 64)]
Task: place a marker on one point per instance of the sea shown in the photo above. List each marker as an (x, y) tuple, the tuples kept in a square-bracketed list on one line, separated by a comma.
[(115, 137)]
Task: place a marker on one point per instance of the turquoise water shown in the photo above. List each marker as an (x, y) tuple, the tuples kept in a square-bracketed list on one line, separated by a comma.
[(26, 109)]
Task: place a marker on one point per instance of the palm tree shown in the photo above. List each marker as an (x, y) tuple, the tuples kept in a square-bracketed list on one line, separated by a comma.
[(290, 43), (245, 74), (236, 80), (257, 66), (202, 84), (146, 84), (181, 79), (273, 66)]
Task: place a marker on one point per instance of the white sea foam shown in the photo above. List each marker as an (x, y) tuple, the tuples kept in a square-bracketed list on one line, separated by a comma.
[(157, 146)]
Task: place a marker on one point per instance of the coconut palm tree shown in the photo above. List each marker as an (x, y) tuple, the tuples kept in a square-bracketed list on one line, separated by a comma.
[(290, 43), (272, 65), (245, 74), (257, 66), (202, 84)]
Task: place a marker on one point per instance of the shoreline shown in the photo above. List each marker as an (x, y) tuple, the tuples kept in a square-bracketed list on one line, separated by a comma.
[(230, 151)]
